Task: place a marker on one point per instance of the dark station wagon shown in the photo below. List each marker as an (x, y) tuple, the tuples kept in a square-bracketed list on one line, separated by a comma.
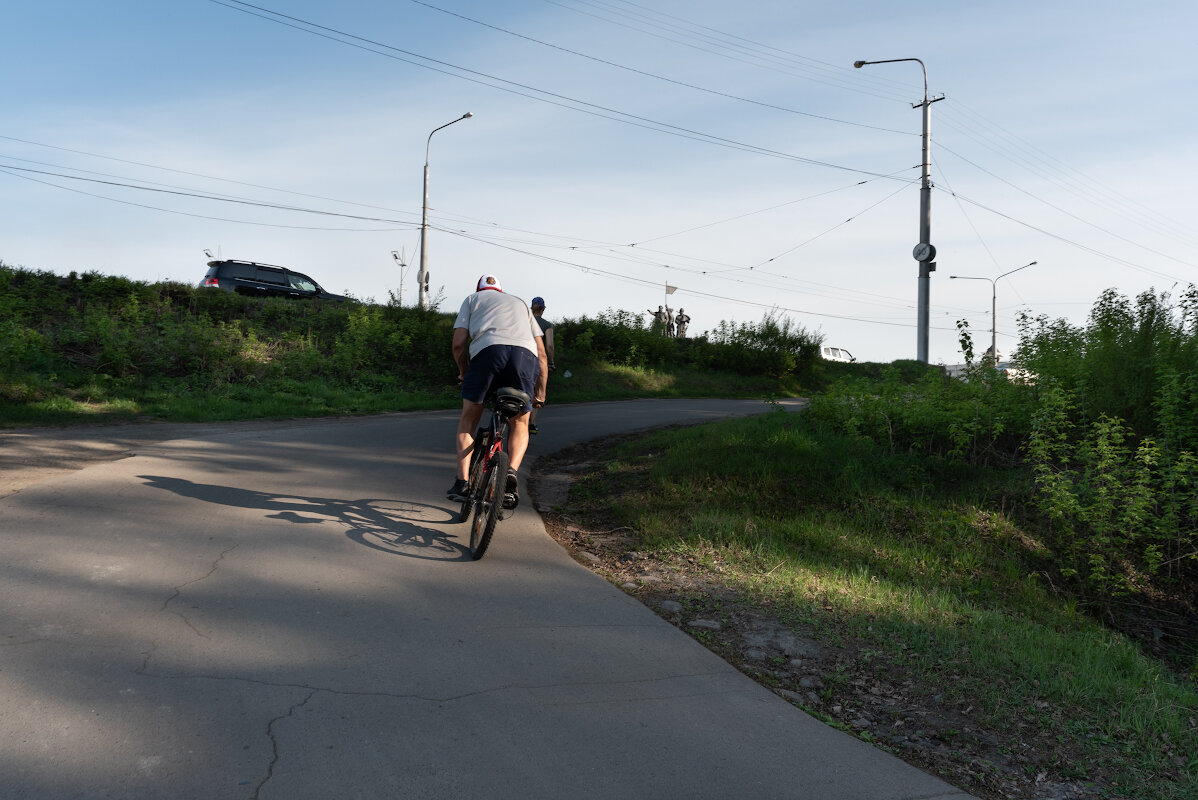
[(263, 280)]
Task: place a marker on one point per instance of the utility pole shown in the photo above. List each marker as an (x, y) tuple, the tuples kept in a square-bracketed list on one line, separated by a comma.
[(422, 275), (993, 305), (924, 252)]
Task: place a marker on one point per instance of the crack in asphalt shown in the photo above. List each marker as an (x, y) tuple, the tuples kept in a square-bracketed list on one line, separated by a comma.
[(178, 590), (313, 691), (274, 742)]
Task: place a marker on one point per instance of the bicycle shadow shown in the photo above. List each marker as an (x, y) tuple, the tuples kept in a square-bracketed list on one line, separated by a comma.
[(386, 524)]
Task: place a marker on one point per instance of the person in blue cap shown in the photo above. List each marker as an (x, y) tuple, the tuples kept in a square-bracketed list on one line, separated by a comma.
[(538, 308)]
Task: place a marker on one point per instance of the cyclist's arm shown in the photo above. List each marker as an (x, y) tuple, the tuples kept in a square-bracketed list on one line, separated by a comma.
[(549, 346), (461, 350), (538, 396)]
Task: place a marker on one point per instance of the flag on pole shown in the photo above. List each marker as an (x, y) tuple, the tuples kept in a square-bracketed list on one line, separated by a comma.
[(671, 289)]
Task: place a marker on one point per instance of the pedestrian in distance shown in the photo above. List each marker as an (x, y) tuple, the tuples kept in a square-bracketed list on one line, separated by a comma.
[(496, 342), (538, 309)]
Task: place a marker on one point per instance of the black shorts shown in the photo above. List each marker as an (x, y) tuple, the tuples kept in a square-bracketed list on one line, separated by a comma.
[(498, 366)]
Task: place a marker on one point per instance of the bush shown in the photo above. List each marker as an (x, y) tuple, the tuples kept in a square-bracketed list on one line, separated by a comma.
[(1106, 426), (775, 347)]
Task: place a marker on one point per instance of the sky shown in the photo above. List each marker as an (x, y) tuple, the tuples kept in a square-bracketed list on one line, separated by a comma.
[(729, 150)]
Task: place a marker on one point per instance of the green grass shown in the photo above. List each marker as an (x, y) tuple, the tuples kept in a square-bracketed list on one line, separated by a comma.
[(601, 381), (177, 401), (89, 347), (38, 400), (935, 568)]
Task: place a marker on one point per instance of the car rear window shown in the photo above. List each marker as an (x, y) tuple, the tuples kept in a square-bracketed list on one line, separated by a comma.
[(243, 271), (272, 275)]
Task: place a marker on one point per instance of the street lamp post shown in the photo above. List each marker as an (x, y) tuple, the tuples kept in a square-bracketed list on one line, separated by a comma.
[(403, 271), (993, 304), (924, 252), (422, 274)]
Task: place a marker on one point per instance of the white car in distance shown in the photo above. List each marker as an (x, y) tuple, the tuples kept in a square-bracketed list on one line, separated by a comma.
[(836, 354)]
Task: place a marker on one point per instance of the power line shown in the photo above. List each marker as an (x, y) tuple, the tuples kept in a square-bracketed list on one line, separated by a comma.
[(523, 90), (655, 76), (708, 295), (691, 30), (1070, 242), (183, 172), (7, 170), (731, 47)]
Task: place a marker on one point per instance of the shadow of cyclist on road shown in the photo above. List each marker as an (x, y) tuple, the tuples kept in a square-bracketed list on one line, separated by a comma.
[(390, 525)]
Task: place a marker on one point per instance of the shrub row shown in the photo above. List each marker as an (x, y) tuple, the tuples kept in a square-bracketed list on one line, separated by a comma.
[(775, 347), (78, 327), (1105, 423)]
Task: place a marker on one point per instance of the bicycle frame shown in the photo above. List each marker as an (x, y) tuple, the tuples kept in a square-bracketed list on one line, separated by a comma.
[(485, 496), (499, 432)]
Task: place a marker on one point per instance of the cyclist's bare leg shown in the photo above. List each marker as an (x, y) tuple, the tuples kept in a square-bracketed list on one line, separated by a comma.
[(518, 440), (467, 425)]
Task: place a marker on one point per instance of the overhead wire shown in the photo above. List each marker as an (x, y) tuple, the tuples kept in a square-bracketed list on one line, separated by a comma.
[(184, 192), (1070, 242), (977, 132), (822, 234), (14, 172), (1070, 214), (732, 48), (524, 90), (683, 290), (653, 75), (185, 172), (961, 207), (993, 136)]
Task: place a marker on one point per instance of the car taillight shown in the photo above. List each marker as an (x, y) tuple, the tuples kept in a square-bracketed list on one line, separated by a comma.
[(212, 282)]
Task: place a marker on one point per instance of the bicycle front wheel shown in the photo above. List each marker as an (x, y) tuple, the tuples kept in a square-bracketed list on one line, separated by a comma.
[(482, 443), (487, 505)]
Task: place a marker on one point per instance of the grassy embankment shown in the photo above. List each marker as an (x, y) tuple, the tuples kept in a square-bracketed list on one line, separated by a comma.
[(95, 348), (1016, 561), (931, 581)]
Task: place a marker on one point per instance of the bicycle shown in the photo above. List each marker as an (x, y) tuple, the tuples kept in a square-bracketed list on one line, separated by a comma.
[(489, 468)]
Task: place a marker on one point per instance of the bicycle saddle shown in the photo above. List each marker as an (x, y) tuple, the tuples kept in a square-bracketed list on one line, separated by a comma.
[(511, 401)]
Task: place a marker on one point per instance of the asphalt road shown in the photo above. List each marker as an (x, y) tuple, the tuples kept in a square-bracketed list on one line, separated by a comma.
[(287, 610)]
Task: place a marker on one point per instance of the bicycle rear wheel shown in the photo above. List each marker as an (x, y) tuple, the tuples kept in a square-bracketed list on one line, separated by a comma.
[(482, 443), (487, 505)]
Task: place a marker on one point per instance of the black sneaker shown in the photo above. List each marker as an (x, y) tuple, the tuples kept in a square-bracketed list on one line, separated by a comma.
[(511, 492), (532, 428), (457, 492)]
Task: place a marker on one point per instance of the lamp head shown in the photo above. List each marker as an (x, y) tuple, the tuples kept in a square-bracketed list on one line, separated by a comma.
[(468, 115), (859, 64)]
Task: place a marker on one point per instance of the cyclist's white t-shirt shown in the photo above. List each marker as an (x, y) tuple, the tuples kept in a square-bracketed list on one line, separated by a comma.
[(493, 317)]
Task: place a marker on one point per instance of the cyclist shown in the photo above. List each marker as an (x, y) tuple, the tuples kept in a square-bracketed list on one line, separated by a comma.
[(496, 343)]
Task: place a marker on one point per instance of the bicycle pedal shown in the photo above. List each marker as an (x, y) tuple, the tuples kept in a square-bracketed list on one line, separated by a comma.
[(510, 501)]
